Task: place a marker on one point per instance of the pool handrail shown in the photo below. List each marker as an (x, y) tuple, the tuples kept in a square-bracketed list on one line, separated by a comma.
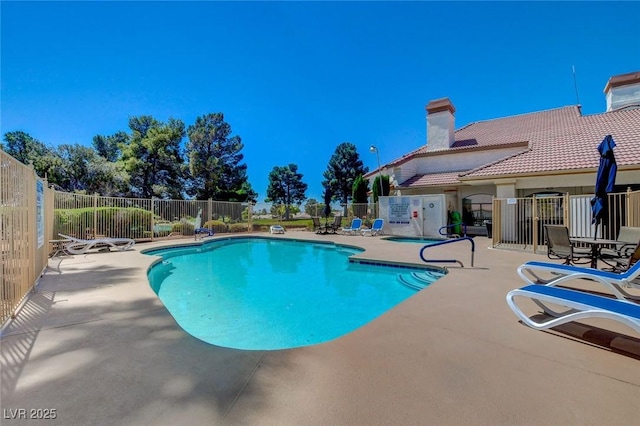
[(473, 249), (464, 229)]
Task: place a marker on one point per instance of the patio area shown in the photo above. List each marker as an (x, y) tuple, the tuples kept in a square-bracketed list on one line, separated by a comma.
[(96, 345)]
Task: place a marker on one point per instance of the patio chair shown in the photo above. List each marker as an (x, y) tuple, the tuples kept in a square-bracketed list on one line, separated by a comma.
[(616, 282), (628, 237), (198, 231), (203, 232), (337, 223), (625, 264), (581, 305), (317, 226), (356, 224), (559, 246), (80, 246), (376, 228)]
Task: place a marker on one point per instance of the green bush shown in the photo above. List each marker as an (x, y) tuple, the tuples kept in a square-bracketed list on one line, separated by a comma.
[(129, 222), (218, 226), (183, 228), (238, 227)]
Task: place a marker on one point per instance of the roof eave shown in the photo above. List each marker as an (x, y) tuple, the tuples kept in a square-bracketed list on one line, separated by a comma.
[(528, 174)]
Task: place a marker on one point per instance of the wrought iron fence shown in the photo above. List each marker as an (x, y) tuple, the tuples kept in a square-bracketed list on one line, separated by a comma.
[(93, 216), (518, 223), (367, 212)]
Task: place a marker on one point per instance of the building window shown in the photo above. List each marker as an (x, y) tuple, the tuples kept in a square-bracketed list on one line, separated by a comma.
[(476, 209)]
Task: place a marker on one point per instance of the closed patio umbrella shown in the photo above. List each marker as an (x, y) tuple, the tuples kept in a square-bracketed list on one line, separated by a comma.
[(605, 181)]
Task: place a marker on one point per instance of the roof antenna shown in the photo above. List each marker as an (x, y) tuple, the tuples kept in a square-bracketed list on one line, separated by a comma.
[(575, 84)]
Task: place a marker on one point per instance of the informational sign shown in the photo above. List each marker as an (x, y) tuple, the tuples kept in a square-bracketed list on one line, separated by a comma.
[(512, 201), (399, 210), (40, 212)]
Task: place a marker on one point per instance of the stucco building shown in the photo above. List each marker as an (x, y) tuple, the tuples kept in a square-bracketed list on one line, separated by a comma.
[(551, 151)]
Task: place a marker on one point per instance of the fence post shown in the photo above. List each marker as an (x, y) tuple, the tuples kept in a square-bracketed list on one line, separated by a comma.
[(534, 222), (629, 216), (566, 211), (95, 215), (496, 222), (153, 214)]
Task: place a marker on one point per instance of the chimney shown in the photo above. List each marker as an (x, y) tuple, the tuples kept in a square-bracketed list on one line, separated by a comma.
[(440, 124), (623, 91)]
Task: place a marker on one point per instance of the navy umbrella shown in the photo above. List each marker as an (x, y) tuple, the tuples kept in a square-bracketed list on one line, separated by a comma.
[(605, 181)]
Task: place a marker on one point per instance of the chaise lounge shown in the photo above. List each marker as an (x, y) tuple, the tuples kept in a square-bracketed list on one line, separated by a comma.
[(356, 224), (376, 228), (581, 305), (616, 282), (81, 246), (276, 229)]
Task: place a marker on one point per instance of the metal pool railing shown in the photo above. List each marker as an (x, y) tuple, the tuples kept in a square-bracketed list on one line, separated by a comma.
[(454, 240)]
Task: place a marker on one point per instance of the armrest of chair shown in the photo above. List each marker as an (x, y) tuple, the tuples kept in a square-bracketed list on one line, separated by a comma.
[(627, 249)]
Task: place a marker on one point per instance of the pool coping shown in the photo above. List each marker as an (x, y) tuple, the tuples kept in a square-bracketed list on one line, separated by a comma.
[(360, 257)]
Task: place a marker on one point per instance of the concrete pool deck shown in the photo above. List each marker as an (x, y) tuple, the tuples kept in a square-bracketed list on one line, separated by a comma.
[(96, 345)]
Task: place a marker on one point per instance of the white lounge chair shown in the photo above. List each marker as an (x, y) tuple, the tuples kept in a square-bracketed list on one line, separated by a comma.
[(80, 246), (356, 224), (581, 305), (616, 282), (276, 229), (376, 228)]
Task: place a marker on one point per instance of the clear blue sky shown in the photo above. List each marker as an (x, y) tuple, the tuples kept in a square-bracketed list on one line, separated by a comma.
[(295, 79)]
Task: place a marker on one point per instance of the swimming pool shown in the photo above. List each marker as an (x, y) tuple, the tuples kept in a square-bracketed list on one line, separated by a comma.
[(262, 294)]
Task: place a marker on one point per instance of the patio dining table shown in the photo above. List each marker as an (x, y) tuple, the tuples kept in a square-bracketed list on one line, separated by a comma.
[(58, 248), (596, 245)]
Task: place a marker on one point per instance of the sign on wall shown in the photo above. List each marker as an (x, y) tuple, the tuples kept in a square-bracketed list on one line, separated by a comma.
[(40, 212), (399, 210)]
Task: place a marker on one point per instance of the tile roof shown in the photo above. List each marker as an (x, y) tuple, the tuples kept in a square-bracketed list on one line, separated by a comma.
[(435, 179), (561, 139), (558, 139)]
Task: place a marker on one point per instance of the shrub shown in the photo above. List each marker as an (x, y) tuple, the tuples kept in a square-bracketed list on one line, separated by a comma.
[(238, 227), (111, 221)]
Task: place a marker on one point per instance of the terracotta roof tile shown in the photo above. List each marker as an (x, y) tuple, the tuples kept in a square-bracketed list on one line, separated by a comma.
[(559, 139), (437, 179), (569, 142)]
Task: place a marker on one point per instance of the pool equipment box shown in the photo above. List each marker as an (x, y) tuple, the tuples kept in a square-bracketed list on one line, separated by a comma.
[(415, 215)]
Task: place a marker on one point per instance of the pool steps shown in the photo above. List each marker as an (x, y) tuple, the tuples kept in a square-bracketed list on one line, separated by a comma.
[(418, 280)]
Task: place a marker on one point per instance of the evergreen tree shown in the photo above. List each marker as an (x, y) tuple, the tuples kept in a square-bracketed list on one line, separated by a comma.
[(359, 196), (109, 147), (286, 187), (386, 187), (215, 161), (343, 167), (153, 158)]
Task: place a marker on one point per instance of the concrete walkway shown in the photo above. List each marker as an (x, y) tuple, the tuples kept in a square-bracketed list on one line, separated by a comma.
[(96, 345)]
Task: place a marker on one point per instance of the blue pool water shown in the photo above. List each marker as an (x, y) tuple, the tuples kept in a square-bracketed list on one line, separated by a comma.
[(259, 293)]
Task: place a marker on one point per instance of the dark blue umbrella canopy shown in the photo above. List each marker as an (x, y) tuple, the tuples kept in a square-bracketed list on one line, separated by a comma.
[(605, 180)]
